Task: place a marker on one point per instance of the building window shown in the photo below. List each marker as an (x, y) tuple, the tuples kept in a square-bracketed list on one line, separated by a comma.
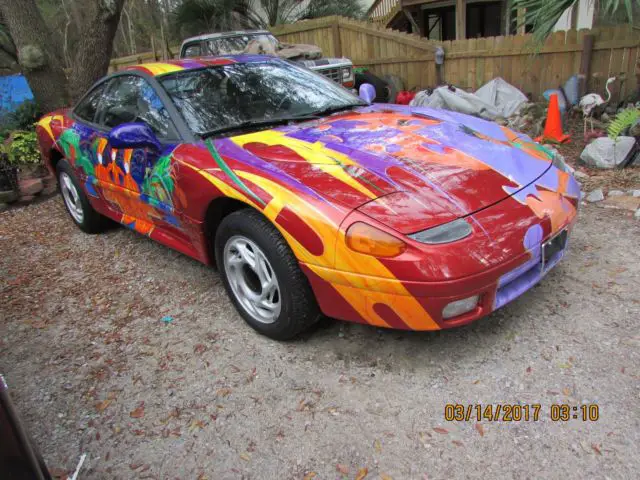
[(484, 19), (440, 23)]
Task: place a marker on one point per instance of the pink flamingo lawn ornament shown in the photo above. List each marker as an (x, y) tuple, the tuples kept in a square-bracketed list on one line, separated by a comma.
[(591, 102)]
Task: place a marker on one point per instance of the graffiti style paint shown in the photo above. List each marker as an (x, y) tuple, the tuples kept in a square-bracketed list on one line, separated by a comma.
[(398, 168)]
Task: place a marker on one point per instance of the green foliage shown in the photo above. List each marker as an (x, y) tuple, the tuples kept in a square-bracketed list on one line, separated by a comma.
[(623, 120), (193, 17), (205, 16), (325, 8), (542, 15), (22, 148), (25, 116)]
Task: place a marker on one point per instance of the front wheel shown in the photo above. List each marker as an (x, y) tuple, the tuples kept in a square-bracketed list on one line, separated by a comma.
[(262, 276)]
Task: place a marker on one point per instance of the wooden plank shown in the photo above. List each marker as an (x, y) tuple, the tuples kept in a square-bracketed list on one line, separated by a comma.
[(479, 65), (391, 61), (461, 19), (558, 60), (337, 45), (497, 65), (472, 44), (489, 62), (507, 46), (617, 61), (572, 39), (450, 63), (601, 61), (388, 34)]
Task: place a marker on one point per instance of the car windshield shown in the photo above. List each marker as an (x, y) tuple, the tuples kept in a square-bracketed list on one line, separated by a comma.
[(237, 44), (223, 97)]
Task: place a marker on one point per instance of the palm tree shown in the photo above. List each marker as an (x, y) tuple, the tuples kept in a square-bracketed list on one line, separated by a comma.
[(542, 15), (199, 16)]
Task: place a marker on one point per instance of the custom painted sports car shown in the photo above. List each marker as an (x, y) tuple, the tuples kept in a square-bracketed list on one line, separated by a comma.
[(308, 199)]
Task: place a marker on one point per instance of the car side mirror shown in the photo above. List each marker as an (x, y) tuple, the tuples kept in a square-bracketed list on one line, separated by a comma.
[(367, 92), (133, 135)]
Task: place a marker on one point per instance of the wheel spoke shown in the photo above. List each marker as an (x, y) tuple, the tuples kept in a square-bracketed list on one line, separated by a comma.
[(267, 305), (236, 261), (67, 183), (71, 197), (262, 270), (252, 279), (247, 255)]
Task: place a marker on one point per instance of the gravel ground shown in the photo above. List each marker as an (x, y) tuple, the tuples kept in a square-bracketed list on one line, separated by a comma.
[(96, 368)]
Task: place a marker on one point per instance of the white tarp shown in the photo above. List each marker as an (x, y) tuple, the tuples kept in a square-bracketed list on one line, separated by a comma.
[(496, 98), (506, 98)]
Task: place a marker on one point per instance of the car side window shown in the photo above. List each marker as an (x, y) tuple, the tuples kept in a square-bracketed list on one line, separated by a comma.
[(131, 98), (192, 50), (87, 108)]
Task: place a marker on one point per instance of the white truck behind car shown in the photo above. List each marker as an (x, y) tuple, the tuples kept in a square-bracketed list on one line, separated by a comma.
[(340, 70)]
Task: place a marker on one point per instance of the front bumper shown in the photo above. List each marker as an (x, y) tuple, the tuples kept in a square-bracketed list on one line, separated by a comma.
[(416, 305)]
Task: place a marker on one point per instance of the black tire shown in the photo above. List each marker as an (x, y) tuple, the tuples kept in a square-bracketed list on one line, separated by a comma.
[(298, 307), (92, 221), (394, 86)]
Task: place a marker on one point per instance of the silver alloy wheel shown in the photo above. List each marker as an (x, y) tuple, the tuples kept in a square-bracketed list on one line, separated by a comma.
[(252, 279), (71, 197)]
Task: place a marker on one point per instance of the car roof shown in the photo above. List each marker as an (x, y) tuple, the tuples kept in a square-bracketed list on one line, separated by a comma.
[(234, 33), (156, 69)]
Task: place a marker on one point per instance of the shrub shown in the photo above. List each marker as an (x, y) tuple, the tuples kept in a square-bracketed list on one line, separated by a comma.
[(22, 148), (24, 116)]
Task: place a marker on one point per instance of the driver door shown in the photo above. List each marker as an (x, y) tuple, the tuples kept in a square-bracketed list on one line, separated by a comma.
[(134, 180)]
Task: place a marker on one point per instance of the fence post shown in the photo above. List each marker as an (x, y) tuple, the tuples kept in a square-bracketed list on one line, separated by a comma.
[(337, 46), (461, 19), (585, 64)]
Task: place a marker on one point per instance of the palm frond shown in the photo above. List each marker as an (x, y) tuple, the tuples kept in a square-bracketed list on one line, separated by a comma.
[(543, 15), (193, 17), (623, 120), (324, 8)]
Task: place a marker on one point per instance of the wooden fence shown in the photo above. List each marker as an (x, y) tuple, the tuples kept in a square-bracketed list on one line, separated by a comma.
[(472, 62)]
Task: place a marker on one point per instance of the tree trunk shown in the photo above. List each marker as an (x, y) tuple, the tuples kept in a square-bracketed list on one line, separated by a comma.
[(37, 53), (94, 48)]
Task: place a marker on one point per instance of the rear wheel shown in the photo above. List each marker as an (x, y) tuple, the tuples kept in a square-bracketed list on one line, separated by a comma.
[(77, 203), (262, 276)]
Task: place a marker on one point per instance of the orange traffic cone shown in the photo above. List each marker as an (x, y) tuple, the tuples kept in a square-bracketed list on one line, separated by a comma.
[(553, 126)]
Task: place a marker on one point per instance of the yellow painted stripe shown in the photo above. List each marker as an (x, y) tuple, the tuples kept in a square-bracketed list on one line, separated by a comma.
[(161, 68), (327, 160), (45, 122)]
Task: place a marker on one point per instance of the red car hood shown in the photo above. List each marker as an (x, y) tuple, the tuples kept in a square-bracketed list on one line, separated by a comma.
[(410, 168)]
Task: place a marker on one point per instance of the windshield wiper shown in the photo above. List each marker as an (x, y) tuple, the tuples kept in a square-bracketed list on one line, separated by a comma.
[(258, 123), (330, 110)]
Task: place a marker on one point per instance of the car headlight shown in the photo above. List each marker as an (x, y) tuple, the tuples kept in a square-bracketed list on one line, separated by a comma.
[(364, 238), (449, 232), (346, 73)]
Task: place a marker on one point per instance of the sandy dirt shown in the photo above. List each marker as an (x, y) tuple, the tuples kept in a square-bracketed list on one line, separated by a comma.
[(122, 349)]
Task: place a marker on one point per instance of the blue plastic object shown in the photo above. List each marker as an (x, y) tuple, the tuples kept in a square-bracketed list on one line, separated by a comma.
[(14, 90)]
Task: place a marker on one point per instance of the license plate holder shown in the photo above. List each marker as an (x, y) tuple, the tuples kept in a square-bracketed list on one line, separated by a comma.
[(553, 246)]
